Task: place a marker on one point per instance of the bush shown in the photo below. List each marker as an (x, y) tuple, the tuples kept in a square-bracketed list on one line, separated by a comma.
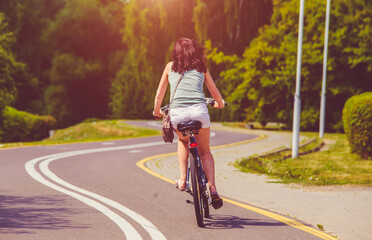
[(19, 126), (357, 118), (309, 119)]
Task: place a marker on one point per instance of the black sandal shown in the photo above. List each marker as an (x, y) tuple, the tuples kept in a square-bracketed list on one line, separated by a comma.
[(216, 201)]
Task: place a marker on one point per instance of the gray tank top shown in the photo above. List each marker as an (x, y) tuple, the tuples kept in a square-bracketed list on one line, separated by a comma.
[(190, 89)]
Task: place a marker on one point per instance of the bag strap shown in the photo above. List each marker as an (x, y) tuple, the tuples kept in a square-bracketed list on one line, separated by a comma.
[(170, 103)]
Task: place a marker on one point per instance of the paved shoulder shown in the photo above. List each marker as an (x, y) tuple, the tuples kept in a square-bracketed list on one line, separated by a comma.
[(343, 212)]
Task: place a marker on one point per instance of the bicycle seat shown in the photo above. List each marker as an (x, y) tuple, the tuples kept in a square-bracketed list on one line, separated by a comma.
[(189, 126)]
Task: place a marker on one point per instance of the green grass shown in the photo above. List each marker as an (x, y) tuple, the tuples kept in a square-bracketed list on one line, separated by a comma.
[(335, 166), (101, 130), (320, 226)]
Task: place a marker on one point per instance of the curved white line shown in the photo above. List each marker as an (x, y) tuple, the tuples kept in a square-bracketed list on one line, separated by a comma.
[(127, 229), (147, 225)]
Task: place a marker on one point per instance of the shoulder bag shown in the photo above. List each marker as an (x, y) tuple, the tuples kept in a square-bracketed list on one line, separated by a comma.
[(167, 128)]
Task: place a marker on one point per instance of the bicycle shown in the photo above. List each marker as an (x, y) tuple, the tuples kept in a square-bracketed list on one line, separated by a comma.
[(198, 188)]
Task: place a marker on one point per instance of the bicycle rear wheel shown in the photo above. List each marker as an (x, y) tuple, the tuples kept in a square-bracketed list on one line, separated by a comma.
[(196, 191)]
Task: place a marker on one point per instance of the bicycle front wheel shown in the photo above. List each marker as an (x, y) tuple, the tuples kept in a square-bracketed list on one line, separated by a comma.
[(205, 198), (196, 190)]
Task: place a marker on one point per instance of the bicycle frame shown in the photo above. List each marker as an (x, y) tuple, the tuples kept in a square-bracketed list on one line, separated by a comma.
[(201, 178), (194, 151), (199, 181)]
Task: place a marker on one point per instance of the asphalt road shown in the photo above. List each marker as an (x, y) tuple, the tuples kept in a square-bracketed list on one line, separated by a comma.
[(96, 191)]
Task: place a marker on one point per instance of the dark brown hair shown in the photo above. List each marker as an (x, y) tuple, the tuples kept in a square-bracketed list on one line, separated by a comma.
[(187, 55)]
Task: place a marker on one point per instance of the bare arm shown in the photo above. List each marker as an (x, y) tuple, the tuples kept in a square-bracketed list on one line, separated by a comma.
[(162, 88), (213, 90)]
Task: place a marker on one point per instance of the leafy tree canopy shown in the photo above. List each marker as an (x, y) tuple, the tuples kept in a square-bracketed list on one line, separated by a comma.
[(27, 20), (261, 84), (151, 27), (9, 67), (87, 47), (230, 25)]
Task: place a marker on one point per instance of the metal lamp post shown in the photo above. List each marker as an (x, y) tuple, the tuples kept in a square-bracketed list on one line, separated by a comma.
[(297, 99), (323, 97)]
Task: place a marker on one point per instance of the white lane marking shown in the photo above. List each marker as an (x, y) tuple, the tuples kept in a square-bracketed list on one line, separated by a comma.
[(153, 231), (147, 225), (136, 151), (127, 229), (107, 143)]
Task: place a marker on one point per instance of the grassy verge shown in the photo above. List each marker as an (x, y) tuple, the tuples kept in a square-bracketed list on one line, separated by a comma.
[(334, 166), (91, 131)]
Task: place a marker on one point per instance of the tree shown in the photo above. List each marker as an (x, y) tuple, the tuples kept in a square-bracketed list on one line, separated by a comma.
[(9, 67), (150, 29), (87, 46), (71, 97), (86, 29), (227, 27), (230, 24), (27, 20), (261, 84)]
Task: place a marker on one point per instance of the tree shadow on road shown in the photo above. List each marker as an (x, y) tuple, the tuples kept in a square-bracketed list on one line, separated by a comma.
[(23, 214), (234, 222)]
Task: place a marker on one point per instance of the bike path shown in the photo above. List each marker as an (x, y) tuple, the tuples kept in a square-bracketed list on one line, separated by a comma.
[(34, 209), (30, 210), (344, 212)]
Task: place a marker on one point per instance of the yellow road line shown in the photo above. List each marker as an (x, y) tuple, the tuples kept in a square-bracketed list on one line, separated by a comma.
[(282, 219), (142, 164)]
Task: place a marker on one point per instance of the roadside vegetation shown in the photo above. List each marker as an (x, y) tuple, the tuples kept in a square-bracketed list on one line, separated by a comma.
[(332, 166), (90, 131), (48, 68)]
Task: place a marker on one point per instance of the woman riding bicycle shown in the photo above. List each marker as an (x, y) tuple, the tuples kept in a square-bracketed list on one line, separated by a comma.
[(188, 58)]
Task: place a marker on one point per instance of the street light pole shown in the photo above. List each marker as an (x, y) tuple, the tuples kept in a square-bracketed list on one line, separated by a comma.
[(297, 99), (323, 97)]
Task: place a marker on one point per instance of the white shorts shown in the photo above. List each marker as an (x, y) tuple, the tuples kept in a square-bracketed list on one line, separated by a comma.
[(197, 112)]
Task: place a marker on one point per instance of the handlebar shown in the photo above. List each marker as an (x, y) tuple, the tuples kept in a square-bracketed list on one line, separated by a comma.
[(209, 101)]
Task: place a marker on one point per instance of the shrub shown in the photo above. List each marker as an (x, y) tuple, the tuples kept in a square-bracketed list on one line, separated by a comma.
[(309, 119), (19, 126), (357, 118)]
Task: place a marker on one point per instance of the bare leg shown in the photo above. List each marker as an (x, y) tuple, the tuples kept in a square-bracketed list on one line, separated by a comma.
[(183, 156), (203, 139)]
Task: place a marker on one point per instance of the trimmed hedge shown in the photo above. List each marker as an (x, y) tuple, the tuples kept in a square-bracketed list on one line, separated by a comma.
[(357, 118), (20, 126)]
